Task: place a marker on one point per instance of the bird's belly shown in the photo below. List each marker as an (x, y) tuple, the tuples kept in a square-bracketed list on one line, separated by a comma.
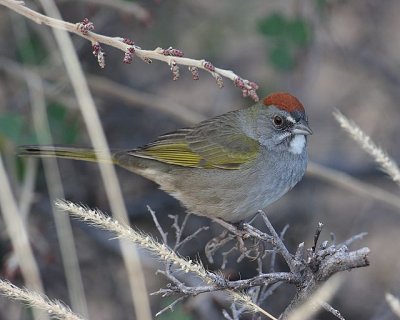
[(232, 195)]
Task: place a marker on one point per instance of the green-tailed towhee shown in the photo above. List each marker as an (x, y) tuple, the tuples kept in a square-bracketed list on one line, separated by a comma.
[(227, 167)]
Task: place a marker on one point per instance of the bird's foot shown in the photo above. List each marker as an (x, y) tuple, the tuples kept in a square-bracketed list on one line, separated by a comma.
[(256, 233), (240, 232), (243, 230)]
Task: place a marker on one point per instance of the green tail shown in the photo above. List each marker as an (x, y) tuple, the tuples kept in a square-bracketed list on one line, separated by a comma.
[(61, 152)]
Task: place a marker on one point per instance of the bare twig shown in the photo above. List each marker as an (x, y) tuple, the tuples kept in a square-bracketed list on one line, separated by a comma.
[(157, 224), (268, 291), (191, 237), (316, 235), (357, 237), (332, 310), (293, 266), (216, 243), (170, 306), (225, 256), (273, 254), (307, 275), (179, 241), (170, 56)]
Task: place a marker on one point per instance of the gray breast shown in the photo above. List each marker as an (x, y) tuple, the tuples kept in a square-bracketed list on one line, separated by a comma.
[(235, 195)]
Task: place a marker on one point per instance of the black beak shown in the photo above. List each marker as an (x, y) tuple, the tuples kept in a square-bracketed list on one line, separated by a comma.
[(301, 127)]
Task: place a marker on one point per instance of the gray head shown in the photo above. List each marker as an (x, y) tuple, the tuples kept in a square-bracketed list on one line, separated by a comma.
[(280, 123)]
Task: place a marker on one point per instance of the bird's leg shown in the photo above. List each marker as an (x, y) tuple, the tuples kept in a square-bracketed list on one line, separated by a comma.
[(255, 233), (258, 245), (239, 225), (233, 228), (243, 231)]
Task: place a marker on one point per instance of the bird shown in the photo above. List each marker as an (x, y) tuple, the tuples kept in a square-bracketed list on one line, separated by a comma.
[(227, 167)]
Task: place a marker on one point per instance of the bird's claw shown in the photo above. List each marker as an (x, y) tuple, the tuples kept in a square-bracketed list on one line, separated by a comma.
[(240, 233)]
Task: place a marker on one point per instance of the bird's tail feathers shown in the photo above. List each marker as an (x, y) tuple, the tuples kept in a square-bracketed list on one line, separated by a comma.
[(73, 153)]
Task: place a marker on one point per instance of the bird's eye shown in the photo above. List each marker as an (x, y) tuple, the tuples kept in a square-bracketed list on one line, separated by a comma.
[(278, 121)]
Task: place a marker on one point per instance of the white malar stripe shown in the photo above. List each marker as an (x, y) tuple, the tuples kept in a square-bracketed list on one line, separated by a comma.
[(297, 144)]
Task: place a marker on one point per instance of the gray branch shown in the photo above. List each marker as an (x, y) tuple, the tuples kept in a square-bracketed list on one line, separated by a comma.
[(323, 264), (309, 269)]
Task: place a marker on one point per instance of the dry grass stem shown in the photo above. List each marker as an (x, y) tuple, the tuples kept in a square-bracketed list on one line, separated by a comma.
[(18, 236), (54, 308), (135, 97), (52, 174), (387, 164), (26, 194), (52, 91), (133, 8), (354, 185), (91, 117), (162, 251), (393, 303)]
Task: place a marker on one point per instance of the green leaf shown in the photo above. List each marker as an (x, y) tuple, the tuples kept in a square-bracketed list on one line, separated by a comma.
[(71, 133), (296, 31), (56, 112), (273, 25), (321, 4), (299, 32), (285, 38), (64, 126), (11, 126), (281, 57), (32, 51)]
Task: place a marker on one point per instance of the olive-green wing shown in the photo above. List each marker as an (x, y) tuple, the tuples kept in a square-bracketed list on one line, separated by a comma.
[(171, 148), (212, 144)]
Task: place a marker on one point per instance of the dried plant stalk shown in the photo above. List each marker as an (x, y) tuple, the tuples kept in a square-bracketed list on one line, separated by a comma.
[(387, 164)]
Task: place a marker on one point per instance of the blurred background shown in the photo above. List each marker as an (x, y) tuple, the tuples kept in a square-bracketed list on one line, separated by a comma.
[(331, 54)]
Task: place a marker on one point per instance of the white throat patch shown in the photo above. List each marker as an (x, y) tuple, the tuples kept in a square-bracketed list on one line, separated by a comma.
[(297, 144)]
